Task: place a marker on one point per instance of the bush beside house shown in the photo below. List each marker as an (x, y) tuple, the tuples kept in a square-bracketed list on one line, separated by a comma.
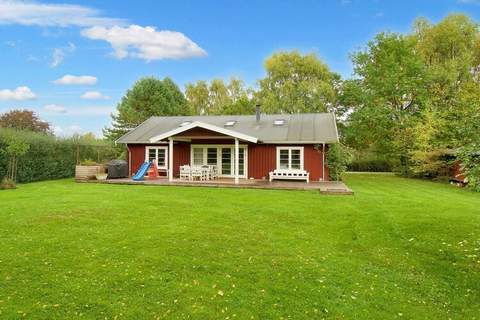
[(49, 157)]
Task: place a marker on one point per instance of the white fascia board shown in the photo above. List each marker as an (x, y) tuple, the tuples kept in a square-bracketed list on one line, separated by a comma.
[(206, 126), (335, 123), (294, 142)]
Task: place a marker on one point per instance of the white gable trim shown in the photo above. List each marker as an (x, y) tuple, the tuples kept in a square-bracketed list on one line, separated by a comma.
[(206, 126)]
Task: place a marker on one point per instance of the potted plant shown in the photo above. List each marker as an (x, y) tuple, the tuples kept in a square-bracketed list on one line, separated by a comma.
[(102, 176)]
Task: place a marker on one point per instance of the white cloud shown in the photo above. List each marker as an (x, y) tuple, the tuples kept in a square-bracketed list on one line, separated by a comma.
[(57, 57), (19, 94), (69, 79), (91, 111), (145, 42), (94, 95), (52, 15), (58, 54), (11, 44), (55, 108), (71, 47), (80, 111), (68, 130), (32, 58)]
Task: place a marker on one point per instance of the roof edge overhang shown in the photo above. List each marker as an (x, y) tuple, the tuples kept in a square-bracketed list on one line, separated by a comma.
[(298, 142), (198, 124)]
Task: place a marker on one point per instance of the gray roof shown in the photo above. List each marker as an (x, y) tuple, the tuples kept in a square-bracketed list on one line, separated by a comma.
[(298, 128)]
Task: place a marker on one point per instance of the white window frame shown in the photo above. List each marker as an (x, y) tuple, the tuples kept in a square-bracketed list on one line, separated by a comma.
[(290, 148), (156, 148), (219, 157)]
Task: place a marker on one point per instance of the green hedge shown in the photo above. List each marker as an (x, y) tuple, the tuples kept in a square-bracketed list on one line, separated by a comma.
[(370, 165), (49, 157)]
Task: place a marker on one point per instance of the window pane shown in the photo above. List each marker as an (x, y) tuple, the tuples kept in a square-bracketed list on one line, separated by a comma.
[(212, 156), (197, 156), (226, 161), (295, 159), (152, 154), (161, 158), (241, 161), (283, 159)]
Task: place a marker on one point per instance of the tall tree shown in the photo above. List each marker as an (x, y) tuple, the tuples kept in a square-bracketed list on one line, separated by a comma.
[(218, 97), (418, 94), (197, 95), (387, 95), (297, 83), (148, 97), (451, 52), (24, 120)]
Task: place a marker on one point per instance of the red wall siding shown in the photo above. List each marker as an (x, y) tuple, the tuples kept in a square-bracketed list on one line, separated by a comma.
[(137, 156), (313, 162), (262, 158), (181, 156)]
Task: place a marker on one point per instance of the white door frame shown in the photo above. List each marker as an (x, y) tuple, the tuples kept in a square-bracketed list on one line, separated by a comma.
[(147, 149), (219, 157)]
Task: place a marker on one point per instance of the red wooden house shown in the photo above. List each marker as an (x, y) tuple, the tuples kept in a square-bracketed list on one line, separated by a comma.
[(240, 147)]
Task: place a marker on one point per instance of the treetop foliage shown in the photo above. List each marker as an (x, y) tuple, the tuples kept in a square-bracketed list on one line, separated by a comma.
[(24, 120)]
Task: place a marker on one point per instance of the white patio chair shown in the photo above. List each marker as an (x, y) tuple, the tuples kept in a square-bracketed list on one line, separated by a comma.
[(213, 171), (185, 173), (206, 172), (197, 173)]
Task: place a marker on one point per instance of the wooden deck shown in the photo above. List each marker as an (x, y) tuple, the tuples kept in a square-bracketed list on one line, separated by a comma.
[(327, 187)]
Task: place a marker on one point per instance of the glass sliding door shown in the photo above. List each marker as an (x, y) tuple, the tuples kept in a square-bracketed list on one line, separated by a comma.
[(212, 156), (223, 156), (198, 156), (241, 161), (227, 161)]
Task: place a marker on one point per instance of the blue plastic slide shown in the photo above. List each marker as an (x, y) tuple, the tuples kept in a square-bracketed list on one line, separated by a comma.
[(140, 175)]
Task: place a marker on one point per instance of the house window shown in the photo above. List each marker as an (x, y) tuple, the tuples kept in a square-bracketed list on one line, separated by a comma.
[(197, 156), (290, 158), (159, 154), (212, 156)]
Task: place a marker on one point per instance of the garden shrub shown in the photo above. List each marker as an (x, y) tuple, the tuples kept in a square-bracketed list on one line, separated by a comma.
[(470, 165), (432, 164), (50, 157), (338, 157), (370, 165), (88, 162)]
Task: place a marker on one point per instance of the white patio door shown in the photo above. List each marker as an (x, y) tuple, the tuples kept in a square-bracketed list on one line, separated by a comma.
[(222, 156), (226, 161)]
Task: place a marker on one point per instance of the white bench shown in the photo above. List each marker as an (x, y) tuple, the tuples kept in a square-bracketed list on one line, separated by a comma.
[(285, 174)]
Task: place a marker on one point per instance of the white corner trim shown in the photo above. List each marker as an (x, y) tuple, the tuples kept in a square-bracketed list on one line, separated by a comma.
[(206, 126)]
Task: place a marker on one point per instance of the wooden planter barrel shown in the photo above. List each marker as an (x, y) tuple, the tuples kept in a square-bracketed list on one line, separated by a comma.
[(88, 172)]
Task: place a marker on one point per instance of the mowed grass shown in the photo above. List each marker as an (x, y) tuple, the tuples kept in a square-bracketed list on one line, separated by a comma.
[(398, 248)]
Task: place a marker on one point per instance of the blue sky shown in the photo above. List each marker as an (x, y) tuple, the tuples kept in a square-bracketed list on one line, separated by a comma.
[(71, 61)]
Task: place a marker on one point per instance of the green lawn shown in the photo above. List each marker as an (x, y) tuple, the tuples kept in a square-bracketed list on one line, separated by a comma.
[(397, 249)]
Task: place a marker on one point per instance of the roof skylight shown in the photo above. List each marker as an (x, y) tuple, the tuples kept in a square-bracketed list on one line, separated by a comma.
[(185, 123), (230, 123), (279, 122)]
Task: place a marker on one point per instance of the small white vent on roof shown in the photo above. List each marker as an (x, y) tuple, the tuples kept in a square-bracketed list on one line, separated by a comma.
[(185, 123), (279, 122), (230, 123)]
